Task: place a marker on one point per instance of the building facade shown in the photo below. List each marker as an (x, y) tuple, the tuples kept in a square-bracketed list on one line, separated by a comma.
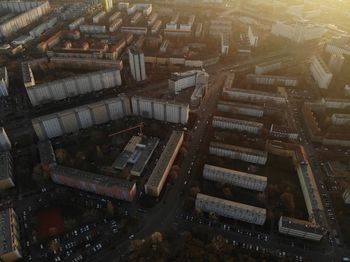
[(96, 183), (159, 174), (340, 119), (137, 64), (240, 108), (234, 177), (320, 72), (287, 81), (299, 228), (5, 143), (28, 12), (230, 209), (4, 82), (299, 32), (10, 247), (72, 120), (162, 110), (253, 95), (239, 153), (237, 124)]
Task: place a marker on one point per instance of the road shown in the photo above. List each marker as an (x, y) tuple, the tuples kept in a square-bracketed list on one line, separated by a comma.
[(169, 206)]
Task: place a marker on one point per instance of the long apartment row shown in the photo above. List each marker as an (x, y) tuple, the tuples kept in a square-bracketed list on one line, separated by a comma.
[(111, 186), (71, 120), (308, 229)]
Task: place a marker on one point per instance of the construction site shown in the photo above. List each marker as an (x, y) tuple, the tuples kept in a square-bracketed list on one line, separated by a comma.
[(127, 150)]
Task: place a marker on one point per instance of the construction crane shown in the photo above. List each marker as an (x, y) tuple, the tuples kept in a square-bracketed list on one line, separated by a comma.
[(140, 126)]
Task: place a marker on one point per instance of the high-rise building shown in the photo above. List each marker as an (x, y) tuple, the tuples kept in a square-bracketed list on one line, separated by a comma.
[(320, 72), (346, 196), (336, 63), (10, 246), (137, 64), (107, 5), (5, 143), (4, 82), (225, 44)]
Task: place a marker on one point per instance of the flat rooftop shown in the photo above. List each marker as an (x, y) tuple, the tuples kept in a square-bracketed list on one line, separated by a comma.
[(238, 121), (277, 77), (92, 178), (146, 153), (180, 75), (232, 204), (240, 105), (252, 92), (238, 149), (123, 158), (46, 152), (235, 173), (163, 162), (301, 225)]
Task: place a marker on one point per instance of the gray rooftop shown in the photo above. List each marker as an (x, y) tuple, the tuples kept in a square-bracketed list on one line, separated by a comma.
[(301, 225), (147, 151), (46, 152), (165, 157), (97, 179), (239, 149)]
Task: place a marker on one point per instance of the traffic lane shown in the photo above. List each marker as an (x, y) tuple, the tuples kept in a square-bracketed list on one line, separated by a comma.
[(160, 216)]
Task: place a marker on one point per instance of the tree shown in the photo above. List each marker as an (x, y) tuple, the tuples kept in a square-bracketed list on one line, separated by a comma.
[(226, 190), (194, 191), (99, 153), (173, 175), (110, 208), (61, 155), (287, 200), (184, 151)]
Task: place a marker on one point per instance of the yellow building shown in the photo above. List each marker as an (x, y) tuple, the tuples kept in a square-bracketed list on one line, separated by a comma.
[(9, 236)]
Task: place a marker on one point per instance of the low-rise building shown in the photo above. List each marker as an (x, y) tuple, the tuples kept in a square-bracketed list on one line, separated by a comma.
[(123, 158), (299, 228), (230, 209), (234, 177), (160, 173), (10, 247), (239, 153)]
